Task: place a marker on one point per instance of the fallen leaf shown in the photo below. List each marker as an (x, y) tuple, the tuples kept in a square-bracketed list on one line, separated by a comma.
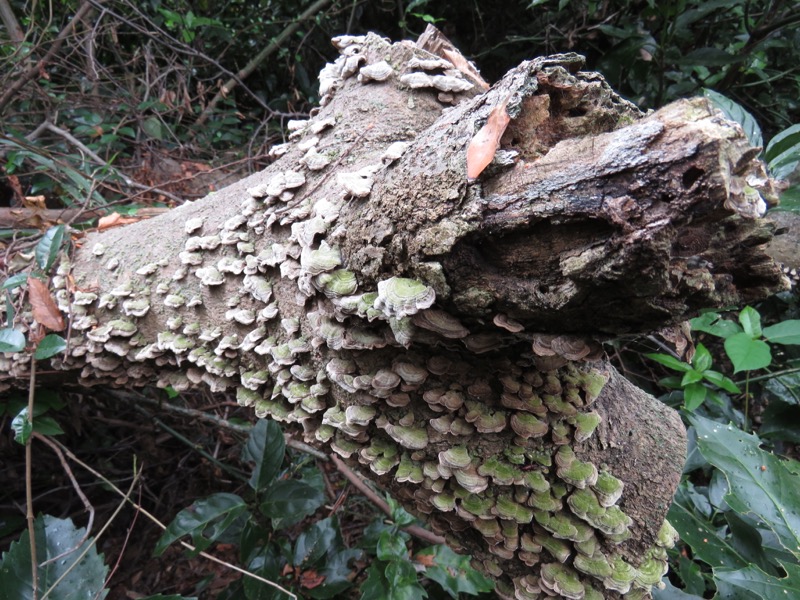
[(311, 579), (43, 306), (484, 144), (426, 560), (115, 220)]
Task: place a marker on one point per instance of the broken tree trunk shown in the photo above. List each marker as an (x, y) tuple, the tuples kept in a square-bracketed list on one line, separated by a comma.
[(442, 333)]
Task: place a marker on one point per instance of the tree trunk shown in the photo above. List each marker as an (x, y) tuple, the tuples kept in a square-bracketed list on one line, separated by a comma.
[(440, 332)]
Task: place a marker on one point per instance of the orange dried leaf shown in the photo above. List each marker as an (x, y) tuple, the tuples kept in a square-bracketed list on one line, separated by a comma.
[(311, 579), (115, 220), (43, 306), (483, 146), (427, 560)]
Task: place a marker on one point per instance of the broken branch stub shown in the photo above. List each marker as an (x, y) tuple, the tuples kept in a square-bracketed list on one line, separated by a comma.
[(436, 331)]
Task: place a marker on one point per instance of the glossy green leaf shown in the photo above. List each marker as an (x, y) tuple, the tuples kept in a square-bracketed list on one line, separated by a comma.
[(694, 395), (714, 324), (21, 427), (169, 597), (289, 501), (391, 582), (747, 354), (49, 246), (782, 141), (691, 376), (399, 515), (18, 280), (86, 579), (312, 544), (785, 332), (736, 112), (702, 358), (391, 546), (752, 582), (267, 565), (265, 447), (47, 426), (719, 380), (453, 572), (760, 483), (701, 535), (205, 521), (750, 320), (11, 340), (50, 345), (669, 361), (670, 592)]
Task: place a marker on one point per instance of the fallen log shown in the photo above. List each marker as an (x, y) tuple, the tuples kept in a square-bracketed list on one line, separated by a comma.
[(443, 332)]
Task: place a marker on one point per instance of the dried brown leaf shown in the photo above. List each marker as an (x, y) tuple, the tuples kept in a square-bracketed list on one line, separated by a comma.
[(43, 306), (484, 144)]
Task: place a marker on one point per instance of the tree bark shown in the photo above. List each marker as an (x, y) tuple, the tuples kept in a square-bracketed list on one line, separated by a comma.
[(443, 333)]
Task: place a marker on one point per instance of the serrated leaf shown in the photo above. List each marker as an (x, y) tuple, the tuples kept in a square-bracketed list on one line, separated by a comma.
[(49, 246), (785, 332), (737, 584), (265, 447), (736, 112), (289, 501), (760, 483), (747, 354), (11, 340), (53, 538), (205, 521), (50, 345)]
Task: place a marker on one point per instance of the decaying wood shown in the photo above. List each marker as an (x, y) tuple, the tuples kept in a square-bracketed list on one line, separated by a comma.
[(442, 333)]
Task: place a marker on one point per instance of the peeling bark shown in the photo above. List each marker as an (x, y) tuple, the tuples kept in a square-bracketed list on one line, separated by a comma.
[(440, 332)]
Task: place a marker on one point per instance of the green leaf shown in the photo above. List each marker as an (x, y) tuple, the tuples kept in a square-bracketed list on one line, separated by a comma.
[(783, 152), (454, 573), (153, 127), (399, 515), (736, 112), (702, 358), (49, 246), (669, 361), (701, 535), (86, 579), (18, 280), (751, 321), (205, 520), (47, 426), (22, 427), (690, 377), (785, 332), (719, 380), (267, 565), (401, 574), (694, 395), (382, 582), (747, 354), (50, 345), (11, 340), (313, 543), (391, 546), (712, 323), (169, 597), (289, 501), (708, 57), (265, 447), (752, 582), (760, 483)]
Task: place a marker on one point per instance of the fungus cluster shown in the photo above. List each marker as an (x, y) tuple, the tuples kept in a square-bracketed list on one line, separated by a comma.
[(489, 448)]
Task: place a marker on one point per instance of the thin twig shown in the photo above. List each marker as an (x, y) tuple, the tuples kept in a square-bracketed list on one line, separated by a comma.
[(76, 563), (362, 487), (155, 520), (28, 484), (86, 504)]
